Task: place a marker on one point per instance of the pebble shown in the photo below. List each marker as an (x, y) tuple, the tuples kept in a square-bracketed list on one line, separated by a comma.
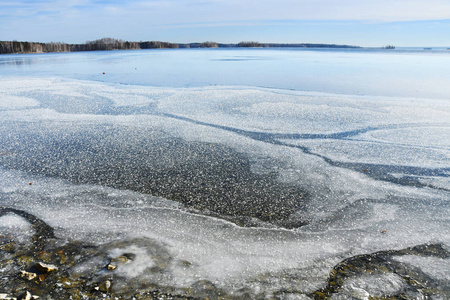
[(28, 275), (44, 268)]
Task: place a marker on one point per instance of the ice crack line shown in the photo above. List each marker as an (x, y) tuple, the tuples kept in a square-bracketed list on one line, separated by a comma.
[(376, 171)]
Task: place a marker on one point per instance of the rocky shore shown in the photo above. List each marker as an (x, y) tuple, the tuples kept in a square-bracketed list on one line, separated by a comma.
[(45, 267)]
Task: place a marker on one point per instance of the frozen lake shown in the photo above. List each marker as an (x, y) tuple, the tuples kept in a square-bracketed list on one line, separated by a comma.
[(227, 173), (405, 73)]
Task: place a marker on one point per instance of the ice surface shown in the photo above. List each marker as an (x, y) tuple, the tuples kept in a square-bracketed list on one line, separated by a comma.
[(374, 152), (16, 102), (341, 71), (14, 228), (438, 268), (134, 267), (376, 285), (348, 211), (373, 171)]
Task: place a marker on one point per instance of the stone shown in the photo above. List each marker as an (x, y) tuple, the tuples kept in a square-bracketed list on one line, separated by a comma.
[(4, 296), (44, 268), (104, 287), (28, 275), (25, 296)]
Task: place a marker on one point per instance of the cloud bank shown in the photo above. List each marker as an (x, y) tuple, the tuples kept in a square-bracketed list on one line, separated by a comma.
[(177, 11)]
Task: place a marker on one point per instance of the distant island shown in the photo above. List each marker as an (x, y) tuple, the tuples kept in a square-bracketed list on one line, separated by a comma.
[(15, 47)]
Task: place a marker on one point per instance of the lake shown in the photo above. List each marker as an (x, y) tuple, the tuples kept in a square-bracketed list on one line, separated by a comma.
[(407, 72), (226, 173)]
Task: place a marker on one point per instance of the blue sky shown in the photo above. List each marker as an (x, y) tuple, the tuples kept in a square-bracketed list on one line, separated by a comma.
[(356, 22)]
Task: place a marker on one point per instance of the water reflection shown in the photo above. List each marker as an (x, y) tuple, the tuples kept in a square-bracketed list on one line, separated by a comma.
[(17, 61), (30, 59)]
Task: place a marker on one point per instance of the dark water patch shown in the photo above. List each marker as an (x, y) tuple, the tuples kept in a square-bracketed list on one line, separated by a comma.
[(211, 178)]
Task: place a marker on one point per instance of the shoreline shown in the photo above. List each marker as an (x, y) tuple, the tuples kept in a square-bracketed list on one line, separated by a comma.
[(46, 266), (16, 47)]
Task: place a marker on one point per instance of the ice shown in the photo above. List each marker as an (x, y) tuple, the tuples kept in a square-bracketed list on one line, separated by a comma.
[(17, 102), (376, 285), (414, 136), (374, 152), (12, 223), (324, 144), (358, 71), (217, 250), (438, 268), (134, 267)]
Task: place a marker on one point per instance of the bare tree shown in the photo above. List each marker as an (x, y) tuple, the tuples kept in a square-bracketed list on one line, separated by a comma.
[(209, 45)]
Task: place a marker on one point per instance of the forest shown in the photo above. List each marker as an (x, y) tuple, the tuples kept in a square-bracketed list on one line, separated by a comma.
[(7, 47), (10, 47)]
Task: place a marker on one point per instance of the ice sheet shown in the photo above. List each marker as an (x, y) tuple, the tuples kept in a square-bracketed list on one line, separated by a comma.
[(227, 255), (435, 267), (349, 211)]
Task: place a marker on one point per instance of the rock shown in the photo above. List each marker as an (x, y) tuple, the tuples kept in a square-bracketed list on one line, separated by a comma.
[(9, 247), (28, 275), (67, 283), (104, 287), (205, 289), (44, 268), (25, 296), (417, 284), (124, 258), (4, 297)]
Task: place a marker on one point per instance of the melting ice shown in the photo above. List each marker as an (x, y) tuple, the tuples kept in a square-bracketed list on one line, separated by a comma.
[(158, 178)]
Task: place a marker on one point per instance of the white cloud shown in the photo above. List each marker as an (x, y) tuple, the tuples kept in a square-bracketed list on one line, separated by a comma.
[(81, 20), (238, 10), (176, 11)]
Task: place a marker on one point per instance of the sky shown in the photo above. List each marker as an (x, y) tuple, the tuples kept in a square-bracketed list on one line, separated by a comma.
[(369, 23)]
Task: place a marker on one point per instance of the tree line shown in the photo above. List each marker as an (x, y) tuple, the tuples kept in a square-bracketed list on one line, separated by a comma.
[(9, 47)]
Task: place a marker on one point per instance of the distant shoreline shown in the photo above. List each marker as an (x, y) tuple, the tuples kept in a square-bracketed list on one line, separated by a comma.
[(16, 47)]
